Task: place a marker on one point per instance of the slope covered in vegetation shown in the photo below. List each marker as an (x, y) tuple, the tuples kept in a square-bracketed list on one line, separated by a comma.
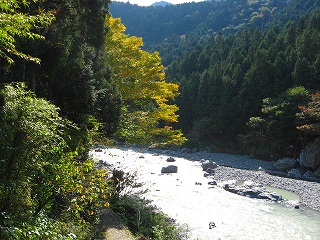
[(62, 90), (245, 69)]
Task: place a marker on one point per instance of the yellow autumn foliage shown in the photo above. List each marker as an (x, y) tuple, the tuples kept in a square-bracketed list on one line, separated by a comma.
[(140, 77)]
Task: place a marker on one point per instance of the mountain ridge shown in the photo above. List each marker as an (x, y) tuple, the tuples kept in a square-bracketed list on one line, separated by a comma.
[(160, 4)]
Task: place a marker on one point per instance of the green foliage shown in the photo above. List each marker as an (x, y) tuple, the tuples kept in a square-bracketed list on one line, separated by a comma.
[(138, 214), (309, 116), (143, 219), (164, 25), (275, 132), (15, 24), (249, 72), (42, 186)]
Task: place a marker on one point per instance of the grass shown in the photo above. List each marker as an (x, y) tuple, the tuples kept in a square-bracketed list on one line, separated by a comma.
[(145, 221)]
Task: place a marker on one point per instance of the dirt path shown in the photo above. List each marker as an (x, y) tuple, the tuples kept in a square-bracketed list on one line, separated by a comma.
[(112, 228)]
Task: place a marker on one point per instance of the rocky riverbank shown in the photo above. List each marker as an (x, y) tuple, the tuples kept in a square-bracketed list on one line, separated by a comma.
[(243, 168), (187, 193), (308, 191)]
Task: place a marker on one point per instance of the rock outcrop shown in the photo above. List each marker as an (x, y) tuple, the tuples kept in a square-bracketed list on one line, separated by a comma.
[(252, 190), (294, 173), (284, 164), (310, 156)]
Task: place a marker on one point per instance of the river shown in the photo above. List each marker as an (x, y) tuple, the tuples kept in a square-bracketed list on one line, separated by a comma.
[(187, 197)]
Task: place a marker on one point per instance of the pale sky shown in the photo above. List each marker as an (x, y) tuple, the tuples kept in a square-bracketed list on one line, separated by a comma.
[(149, 2)]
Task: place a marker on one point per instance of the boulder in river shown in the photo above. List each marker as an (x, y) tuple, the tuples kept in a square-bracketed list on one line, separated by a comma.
[(284, 164), (310, 156), (171, 159), (208, 164), (169, 169), (252, 190)]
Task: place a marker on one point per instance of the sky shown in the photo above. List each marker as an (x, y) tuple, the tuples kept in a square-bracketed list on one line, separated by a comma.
[(149, 2)]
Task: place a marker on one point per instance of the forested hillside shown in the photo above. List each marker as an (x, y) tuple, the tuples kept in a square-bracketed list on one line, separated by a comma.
[(174, 29), (251, 83), (245, 70), (70, 78), (243, 76)]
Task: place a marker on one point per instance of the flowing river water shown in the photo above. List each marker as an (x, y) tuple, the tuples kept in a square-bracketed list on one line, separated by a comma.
[(186, 197)]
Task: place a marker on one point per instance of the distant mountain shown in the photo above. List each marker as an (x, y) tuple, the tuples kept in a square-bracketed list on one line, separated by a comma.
[(165, 29), (156, 24), (161, 4)]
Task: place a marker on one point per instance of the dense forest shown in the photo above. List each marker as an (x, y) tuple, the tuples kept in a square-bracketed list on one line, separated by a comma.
[(70, 78), (230, 75), (246, 69), (175, 29)]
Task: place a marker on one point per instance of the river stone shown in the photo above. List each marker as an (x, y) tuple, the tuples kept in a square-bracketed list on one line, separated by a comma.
[(294, 173), (309, 174), (169, 169), (213, 183), (210, 170), (208, 164), (310, 156), (284, 164), (171, 159)]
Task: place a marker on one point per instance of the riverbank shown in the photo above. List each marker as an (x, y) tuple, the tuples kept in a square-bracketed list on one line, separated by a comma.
[(187, 197), (307, 191), (243, 168)]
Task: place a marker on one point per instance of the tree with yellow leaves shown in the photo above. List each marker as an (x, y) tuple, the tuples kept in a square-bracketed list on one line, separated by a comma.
[(140, 77)]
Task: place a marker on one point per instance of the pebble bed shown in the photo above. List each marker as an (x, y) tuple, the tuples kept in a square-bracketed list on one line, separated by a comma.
[(309, 192)]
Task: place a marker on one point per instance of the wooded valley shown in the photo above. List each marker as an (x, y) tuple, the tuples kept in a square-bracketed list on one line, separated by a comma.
[(246, 70), (239, 76)]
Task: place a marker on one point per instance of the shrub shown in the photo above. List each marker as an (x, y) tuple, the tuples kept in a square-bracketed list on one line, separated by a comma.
[(43, 183)]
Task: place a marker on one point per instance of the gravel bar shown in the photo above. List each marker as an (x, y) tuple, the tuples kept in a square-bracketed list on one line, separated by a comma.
[(242, 168), (309, 192)]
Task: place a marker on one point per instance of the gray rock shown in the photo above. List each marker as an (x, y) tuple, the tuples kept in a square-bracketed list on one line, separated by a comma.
[(284, 164), (270, 196), (171, 159), (208, 164), (294, 173), (310, 156), (212, 183), (210, 171), (309, 174), (169, 169), (252, 190)]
